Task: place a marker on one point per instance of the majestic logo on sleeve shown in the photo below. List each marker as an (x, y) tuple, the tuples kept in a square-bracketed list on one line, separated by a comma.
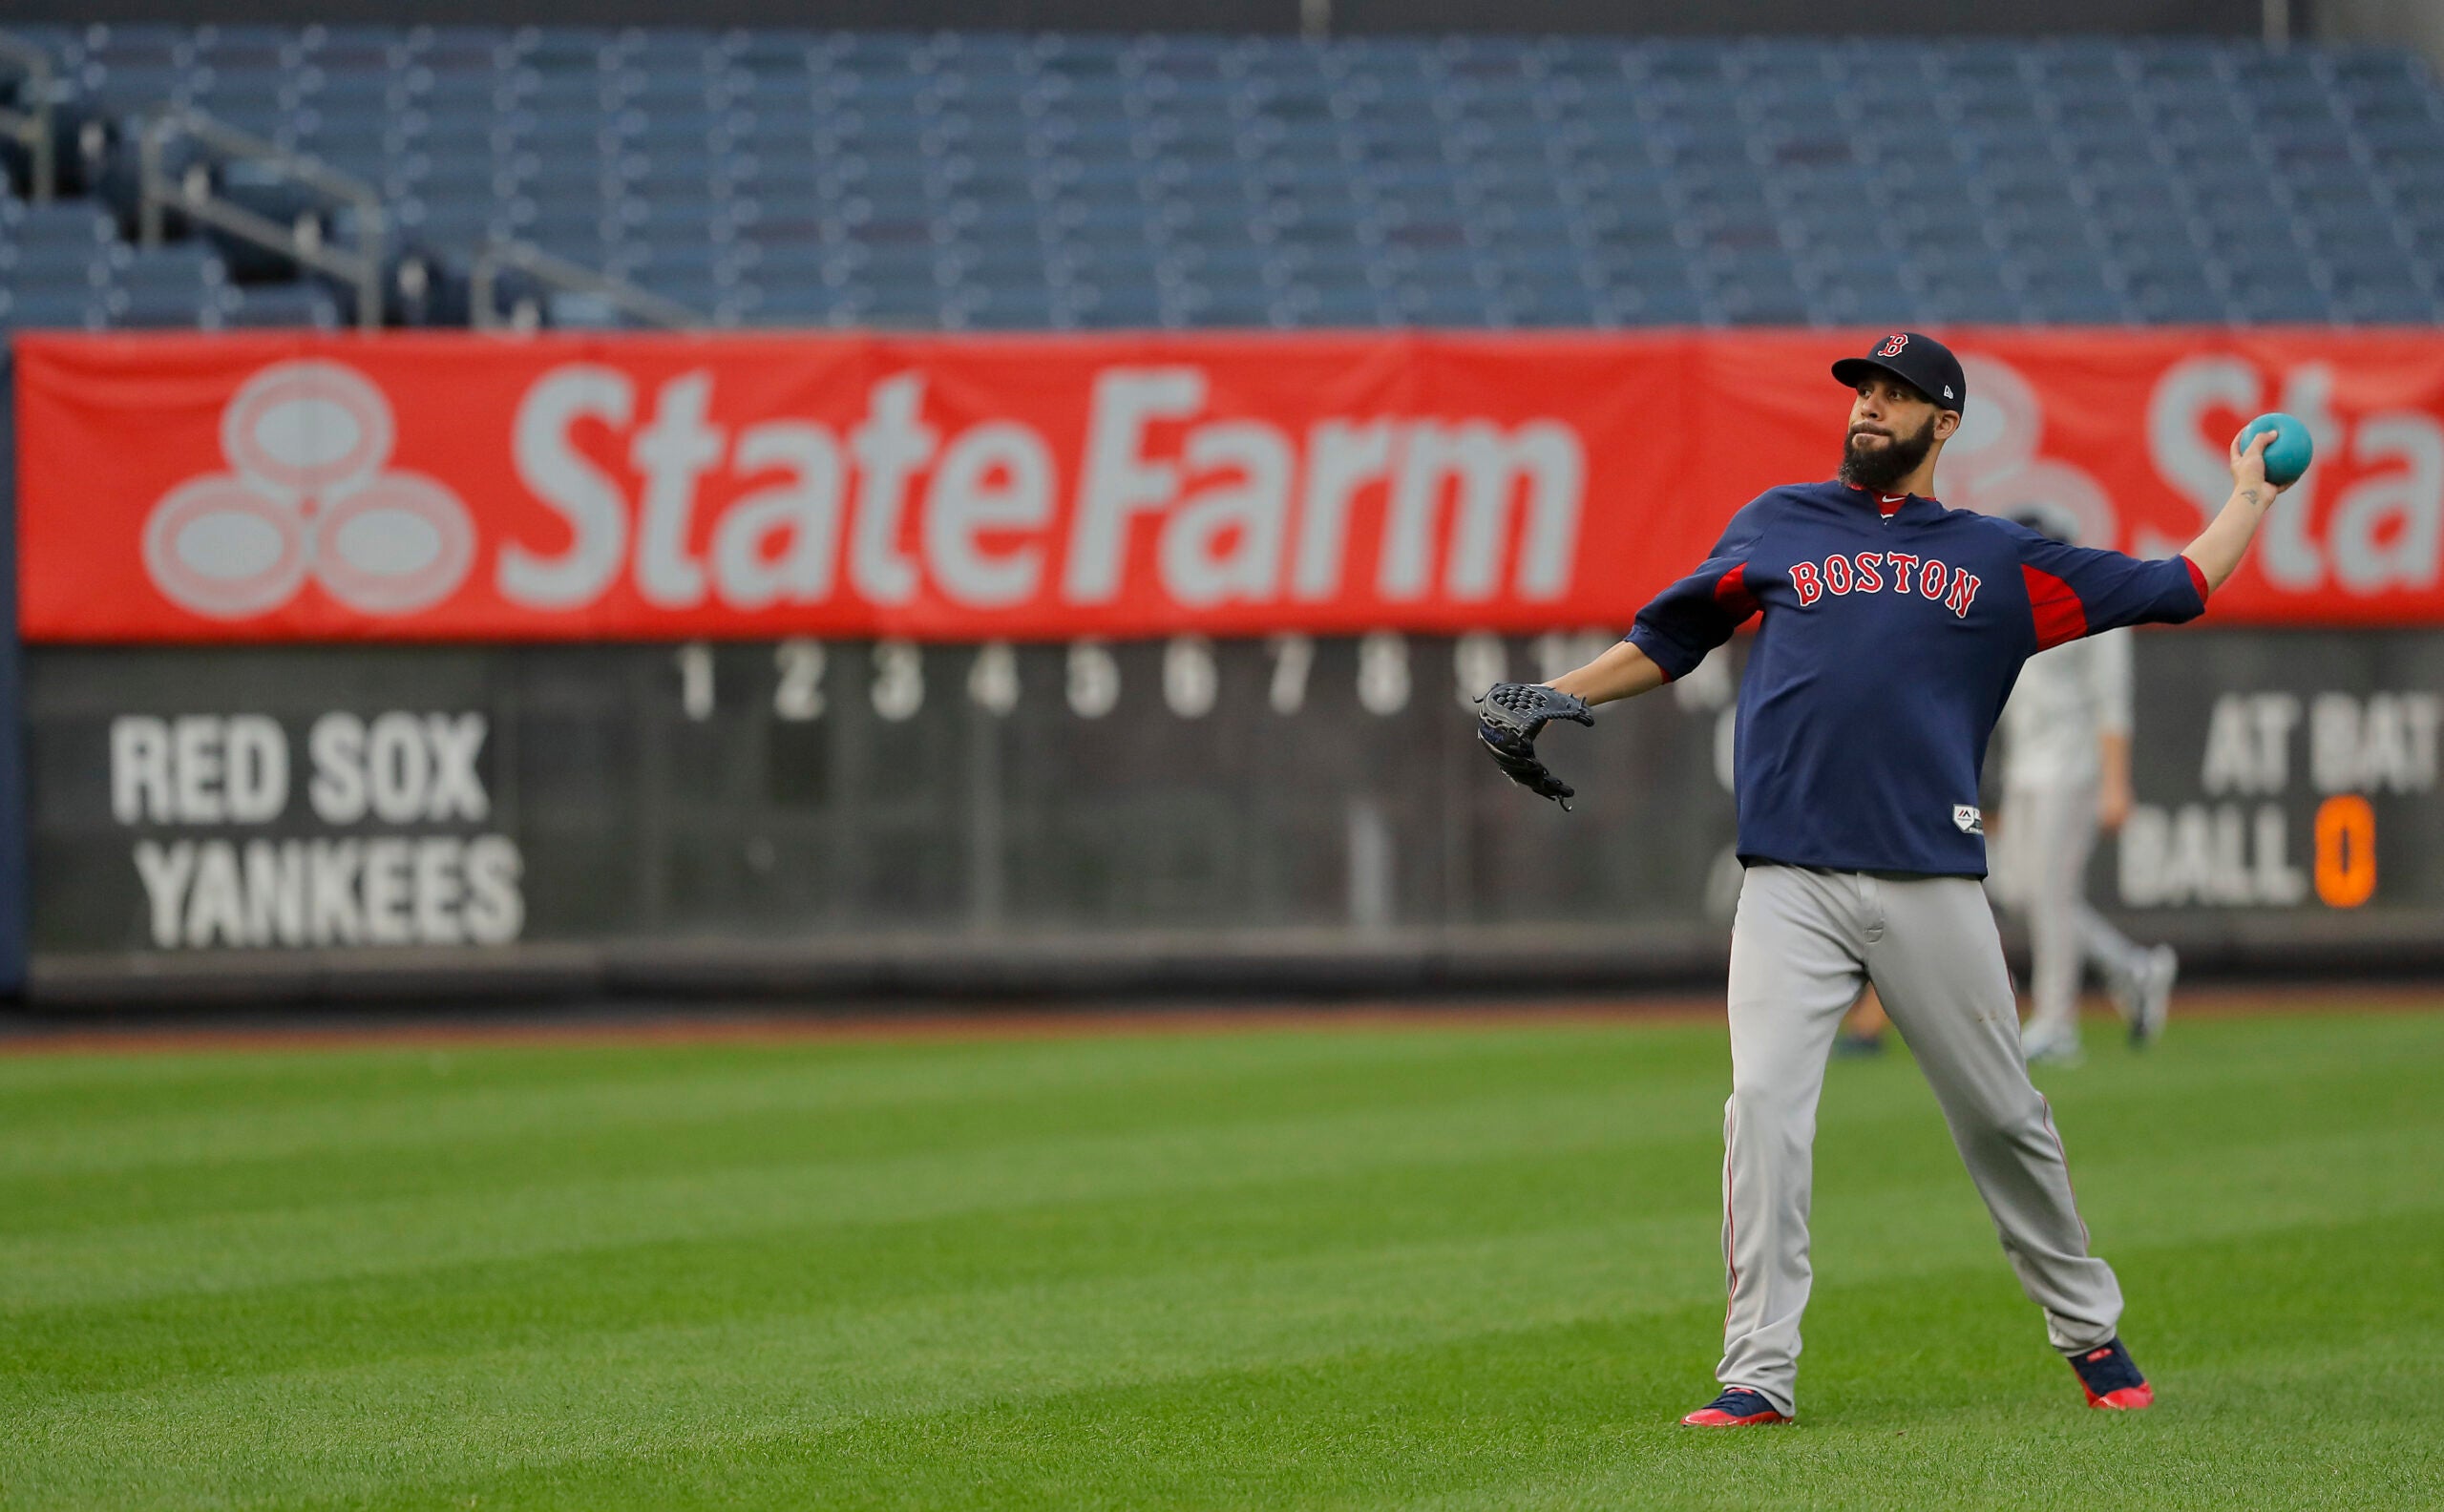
[(1886, 572), (308, 494)]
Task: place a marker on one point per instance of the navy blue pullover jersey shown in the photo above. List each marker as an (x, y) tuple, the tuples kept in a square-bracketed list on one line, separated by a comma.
[(1888, 645)]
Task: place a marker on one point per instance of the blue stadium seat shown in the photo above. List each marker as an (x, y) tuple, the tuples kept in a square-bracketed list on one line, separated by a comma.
[(181, 285), (984, 179), (2175, 298), (62, 308)]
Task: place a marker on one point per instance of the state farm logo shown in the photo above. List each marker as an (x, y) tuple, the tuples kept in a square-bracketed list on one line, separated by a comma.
[(308, 497)]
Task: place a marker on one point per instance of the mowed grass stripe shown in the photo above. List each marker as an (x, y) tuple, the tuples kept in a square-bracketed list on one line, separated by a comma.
[(678, 1360), (82, 1114), (778, 1204), (257, 1107), (1900, 1414), (906, 1356), (818, 1251), (913, 1359), (830, 1267), (1917, 1384), (750, 1106), (752, 1115), (211, 1252), (1929, 1222), (340, 1216)]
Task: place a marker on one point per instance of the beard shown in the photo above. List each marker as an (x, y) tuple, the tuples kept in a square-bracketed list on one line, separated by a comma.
[(1888, 464)]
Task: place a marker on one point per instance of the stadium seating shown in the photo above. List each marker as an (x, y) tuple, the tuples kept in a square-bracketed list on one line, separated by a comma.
[(987, 180)]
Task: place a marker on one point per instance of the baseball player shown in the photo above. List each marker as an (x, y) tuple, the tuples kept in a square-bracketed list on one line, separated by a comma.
[(2066, 775), (1892, 630)]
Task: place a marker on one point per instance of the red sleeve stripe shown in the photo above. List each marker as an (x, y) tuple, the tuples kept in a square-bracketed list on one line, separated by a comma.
[(2058, 612), (2197, 578), (1731, 591)]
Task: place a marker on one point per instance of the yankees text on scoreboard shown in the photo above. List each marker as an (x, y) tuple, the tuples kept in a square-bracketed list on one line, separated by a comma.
[(194, 784)]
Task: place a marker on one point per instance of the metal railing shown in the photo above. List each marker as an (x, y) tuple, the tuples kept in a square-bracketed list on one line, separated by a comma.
[(192, 193), (560, 273), (32, 126)]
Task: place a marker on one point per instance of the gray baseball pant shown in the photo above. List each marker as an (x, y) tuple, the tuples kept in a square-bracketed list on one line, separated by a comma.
[(2040, 870), (1802, 944)]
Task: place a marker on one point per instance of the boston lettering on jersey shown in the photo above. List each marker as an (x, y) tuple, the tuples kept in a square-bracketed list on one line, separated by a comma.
[(1840, 575), (1888, 644)]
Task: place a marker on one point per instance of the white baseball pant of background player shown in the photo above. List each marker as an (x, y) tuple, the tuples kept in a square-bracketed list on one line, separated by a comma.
[(2041, 869), (2067, 701), (1802, 944)]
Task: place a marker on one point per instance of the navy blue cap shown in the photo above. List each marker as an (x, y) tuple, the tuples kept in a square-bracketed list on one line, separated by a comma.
[(1920, 361)]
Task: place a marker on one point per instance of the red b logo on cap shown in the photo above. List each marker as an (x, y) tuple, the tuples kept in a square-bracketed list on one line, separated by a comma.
[(1893, 344)]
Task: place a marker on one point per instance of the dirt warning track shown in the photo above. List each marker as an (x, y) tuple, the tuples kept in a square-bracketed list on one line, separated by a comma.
[(157, 1033)]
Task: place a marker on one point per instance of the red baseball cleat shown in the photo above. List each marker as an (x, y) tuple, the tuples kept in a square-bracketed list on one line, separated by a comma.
[(1738, 1407), (2110, 1379)]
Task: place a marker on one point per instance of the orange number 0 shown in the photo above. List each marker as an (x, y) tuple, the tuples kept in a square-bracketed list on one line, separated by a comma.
[(2346, 850)]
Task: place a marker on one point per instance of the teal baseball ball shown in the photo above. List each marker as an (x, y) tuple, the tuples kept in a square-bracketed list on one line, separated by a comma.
[(2287, 455)]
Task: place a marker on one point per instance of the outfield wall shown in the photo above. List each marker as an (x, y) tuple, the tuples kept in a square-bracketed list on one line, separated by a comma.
[(1036, 664), (862, 816)]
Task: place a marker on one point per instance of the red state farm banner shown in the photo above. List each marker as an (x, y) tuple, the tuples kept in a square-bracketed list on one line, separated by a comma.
[(460, 486)]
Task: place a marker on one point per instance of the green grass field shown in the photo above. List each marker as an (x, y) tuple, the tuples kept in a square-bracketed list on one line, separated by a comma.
[(1451, 1266)]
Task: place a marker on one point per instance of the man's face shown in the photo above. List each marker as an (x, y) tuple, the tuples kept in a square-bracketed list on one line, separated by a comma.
[(1892, 427)]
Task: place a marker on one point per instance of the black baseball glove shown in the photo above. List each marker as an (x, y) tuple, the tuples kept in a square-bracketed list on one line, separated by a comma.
[(1513, 713)]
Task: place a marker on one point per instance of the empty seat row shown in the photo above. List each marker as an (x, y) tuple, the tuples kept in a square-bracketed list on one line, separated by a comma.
[(958, 179)]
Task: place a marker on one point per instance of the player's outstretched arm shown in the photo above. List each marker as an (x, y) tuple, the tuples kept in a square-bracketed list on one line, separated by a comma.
[(2219, 549), (1624, 671)]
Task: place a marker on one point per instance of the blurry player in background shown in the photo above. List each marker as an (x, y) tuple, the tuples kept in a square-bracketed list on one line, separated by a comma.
[(1862, 1031), (2066, 776)]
